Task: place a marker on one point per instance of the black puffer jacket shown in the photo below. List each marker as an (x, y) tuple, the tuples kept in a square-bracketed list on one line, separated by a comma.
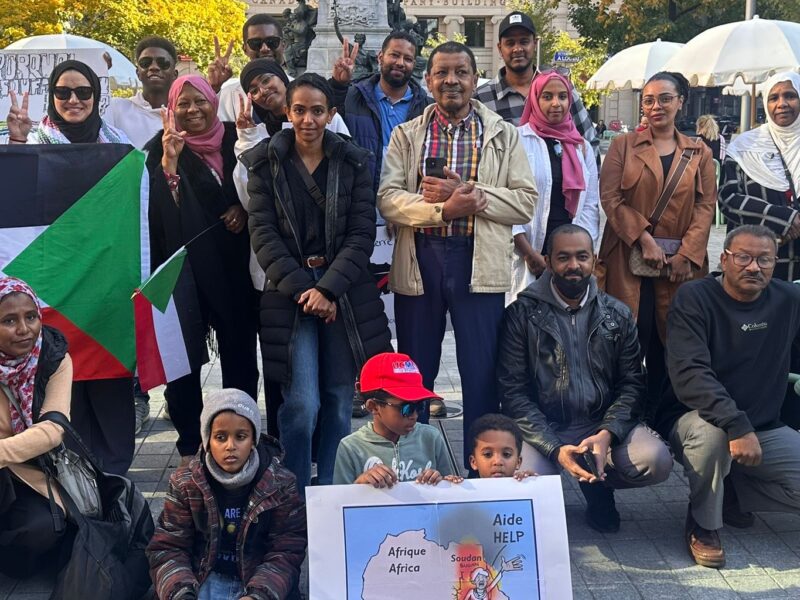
[(530, 343), (54, 349), (349, 240)]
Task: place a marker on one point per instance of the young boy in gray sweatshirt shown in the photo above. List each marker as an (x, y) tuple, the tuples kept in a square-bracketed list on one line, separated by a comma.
[(393, 447)]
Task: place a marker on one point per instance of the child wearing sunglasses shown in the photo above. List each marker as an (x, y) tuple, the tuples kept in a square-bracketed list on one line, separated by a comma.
[(393, 447)]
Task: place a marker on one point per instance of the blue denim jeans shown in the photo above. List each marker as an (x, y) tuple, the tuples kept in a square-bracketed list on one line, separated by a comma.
[(320, 394), (220, 587)]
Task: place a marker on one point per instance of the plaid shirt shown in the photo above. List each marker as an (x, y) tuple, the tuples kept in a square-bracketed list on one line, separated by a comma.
[(508, 103), (461, 145)]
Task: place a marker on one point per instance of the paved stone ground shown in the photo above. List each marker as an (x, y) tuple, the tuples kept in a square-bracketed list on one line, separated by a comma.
[(646, 560)]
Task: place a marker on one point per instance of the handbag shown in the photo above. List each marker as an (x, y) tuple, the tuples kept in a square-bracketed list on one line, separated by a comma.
[(670, 246), (75, 475)]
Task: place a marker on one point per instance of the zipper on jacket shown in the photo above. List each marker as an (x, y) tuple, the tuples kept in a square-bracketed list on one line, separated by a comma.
[(589, 360)]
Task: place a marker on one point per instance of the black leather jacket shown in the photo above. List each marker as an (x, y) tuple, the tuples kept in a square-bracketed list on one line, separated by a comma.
[(530, 342)]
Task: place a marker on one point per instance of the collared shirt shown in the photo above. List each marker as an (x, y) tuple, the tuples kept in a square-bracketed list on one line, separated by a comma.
[(460, 144), (135, 117), (507, 102), (392, 113)]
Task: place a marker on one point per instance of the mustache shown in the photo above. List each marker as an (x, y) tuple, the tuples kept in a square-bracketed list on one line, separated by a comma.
[(577, 272), (452, 88)]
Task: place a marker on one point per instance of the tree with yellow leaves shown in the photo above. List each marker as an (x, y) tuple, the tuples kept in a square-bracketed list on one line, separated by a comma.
[(190, 24)]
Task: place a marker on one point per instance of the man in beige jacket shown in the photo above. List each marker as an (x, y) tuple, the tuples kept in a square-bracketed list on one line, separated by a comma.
[(454, 181)]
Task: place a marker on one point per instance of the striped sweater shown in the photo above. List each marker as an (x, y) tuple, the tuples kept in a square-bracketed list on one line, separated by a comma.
[(271, 544)]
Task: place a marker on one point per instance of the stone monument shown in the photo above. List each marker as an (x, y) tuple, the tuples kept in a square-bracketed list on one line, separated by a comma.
[(367, 17)]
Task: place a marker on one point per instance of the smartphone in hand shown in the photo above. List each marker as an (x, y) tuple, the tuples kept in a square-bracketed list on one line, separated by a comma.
[(434, 167), (590, 463)]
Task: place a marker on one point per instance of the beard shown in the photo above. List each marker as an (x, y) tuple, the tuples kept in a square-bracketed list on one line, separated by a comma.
[(520, 68), (393, 80)]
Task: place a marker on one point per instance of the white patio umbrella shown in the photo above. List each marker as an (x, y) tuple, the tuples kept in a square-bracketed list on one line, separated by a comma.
[(632, 67), (752, 50), (122, 72)]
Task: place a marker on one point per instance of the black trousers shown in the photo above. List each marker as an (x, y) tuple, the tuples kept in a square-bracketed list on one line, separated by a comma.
[(28, 541), (184, 396), (652, 350), (103, 413)]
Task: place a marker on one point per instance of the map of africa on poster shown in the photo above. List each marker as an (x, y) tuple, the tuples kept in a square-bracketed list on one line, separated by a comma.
[(482, 539), (424, 551)]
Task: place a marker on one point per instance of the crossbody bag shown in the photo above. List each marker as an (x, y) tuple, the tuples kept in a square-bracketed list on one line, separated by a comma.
[(670, 246)]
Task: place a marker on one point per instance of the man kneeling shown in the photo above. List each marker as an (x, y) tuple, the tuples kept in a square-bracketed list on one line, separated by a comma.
[(729, 338), (571, 376)]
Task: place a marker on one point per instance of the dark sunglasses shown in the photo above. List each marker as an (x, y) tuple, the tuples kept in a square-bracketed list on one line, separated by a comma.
[(163, 63), (407, 408), (83, 92), (272, 43), (544, 69)]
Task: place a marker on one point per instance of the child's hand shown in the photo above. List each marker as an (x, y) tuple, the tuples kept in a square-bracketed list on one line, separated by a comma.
[(454, 478), (520, 475), (429, 476), (379, 476)]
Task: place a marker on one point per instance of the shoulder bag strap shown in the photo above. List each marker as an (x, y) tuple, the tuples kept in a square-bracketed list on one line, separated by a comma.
[(61, 419), (669, 188), (795, 200), (308, 180), (58, 519)]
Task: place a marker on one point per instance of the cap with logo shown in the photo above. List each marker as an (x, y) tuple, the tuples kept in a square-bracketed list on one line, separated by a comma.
[(516, 19), (396, 374)]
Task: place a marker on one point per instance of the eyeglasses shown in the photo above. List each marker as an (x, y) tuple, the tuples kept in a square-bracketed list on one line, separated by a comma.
[(663, 100), (272, 43), (146, 61), (544, 69), (83, 92), (407, 408), (740, 259), (259, 84)]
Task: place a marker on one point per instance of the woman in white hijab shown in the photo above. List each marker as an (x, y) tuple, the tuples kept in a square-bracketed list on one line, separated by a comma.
[(761, 173)]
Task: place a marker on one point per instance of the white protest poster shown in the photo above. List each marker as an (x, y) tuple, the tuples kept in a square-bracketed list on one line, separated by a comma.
[(29, 70), (380, 262), (483, 539)]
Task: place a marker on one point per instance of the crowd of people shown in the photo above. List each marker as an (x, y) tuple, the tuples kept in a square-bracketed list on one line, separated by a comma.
[(602, 357)]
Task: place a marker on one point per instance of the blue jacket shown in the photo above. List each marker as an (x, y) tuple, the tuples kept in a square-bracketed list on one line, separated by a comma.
[(362, 116)]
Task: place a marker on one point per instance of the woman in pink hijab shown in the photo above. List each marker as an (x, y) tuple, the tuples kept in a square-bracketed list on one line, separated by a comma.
[(193, 202), (565, 170)]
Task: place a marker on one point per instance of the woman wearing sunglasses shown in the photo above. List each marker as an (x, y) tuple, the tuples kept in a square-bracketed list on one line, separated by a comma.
[(656, 168), (564, 167), (102, 409), (193, 202), (73, 111)]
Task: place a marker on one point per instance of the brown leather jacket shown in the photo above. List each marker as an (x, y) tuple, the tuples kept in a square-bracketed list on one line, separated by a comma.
[(631, 181)]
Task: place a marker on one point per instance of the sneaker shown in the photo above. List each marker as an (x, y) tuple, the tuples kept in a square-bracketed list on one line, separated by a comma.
[(732, 514), (704, 545), (165, 412), (437, 408), (142, 411), (601, 510)]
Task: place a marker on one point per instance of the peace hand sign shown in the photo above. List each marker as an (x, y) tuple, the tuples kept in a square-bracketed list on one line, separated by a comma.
[(19, 123), (172, 141), (244, 120), (219, 71), (346, 63)]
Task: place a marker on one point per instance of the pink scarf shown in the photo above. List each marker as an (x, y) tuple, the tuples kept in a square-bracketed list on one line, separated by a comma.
[(565, 132), (206, 145), (19, 372)]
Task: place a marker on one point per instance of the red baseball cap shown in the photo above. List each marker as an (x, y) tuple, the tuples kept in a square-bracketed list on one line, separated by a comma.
[(396, 374)]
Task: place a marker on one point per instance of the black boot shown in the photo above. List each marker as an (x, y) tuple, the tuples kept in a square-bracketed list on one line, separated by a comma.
[(601, 511)]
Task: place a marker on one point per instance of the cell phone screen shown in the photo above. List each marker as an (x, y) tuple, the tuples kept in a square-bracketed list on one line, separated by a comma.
[(434, 167)]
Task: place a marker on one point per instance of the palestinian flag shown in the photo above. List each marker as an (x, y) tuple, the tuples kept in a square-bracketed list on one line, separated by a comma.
[(167, 324), (73, 225)]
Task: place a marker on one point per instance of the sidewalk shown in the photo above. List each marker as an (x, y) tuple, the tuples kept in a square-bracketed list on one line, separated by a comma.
[(646, 560)]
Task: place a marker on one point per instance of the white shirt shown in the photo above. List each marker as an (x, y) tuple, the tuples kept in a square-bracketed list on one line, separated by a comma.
[(135, 117)]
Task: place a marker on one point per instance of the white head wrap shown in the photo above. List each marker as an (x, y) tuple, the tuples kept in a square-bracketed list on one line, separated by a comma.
[(755, 150)]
